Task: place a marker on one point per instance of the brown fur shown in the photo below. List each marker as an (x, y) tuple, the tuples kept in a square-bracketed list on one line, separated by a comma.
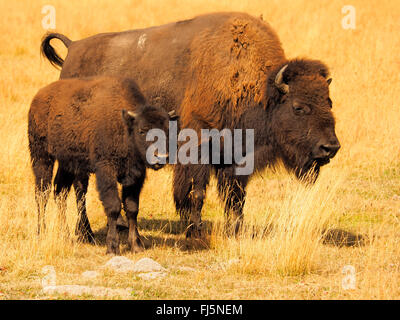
[(219, 70), (84, 124)]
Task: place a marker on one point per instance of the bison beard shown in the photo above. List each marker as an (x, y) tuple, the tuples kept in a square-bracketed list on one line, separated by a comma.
[(220, 70)]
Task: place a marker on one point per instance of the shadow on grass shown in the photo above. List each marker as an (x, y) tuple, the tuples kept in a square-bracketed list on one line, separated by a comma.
[(162, 226), (342, 238), (334, 237), (174, 227)]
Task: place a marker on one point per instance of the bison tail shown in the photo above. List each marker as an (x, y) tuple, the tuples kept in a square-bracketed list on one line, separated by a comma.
[(48, 51)]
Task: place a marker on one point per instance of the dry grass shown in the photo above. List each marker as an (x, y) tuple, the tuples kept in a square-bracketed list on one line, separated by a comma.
[(354, 192)]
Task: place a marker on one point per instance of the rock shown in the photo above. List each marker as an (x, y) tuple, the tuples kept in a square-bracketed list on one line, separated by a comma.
[(50, 276), (186, 269), (396, 197), (90, 274), (233, 261), (224, 265), (147, 265), (151, 275), (120, 264), (78, 290)]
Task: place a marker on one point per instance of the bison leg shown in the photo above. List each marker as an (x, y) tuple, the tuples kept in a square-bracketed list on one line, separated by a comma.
[(106, 179), (232, 190), (130, 199), (190, 183), (62, 185), (82, 229), (43, 171)]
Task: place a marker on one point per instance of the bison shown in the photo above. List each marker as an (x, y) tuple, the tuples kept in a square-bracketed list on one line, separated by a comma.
[(221, 70), (95, 125)]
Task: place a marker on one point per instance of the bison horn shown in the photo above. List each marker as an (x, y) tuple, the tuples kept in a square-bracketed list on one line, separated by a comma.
[(172, 115), (132, 114), (283, 87), (128, 116)]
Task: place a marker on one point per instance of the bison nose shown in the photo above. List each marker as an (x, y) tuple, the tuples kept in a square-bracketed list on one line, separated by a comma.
[(328, 150)]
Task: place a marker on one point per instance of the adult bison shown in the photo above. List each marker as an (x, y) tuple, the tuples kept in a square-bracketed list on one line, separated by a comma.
[(220, 70)]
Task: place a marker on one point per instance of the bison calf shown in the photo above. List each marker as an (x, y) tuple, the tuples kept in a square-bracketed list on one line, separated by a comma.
[(94, 125)]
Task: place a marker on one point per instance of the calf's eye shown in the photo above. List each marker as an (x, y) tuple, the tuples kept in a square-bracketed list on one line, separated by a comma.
[(142, 132)]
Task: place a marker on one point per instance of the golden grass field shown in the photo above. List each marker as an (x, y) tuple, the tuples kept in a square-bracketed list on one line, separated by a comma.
[(356, 192)]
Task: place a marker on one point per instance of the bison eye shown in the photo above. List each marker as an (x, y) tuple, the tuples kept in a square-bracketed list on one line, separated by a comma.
[(300, 109), (142, 132)]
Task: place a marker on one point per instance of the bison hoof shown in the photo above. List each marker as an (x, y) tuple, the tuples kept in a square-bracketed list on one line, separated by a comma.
[(194, 232), (87, 238)]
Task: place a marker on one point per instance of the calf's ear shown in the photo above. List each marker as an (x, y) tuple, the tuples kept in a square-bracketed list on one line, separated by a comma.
[(129, 118), (172, 115)]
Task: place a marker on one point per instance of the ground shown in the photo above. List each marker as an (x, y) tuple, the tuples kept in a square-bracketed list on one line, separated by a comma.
[(358, 192)]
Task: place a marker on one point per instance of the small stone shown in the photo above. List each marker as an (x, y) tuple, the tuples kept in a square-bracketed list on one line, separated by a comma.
[(151, 275), (186, 269), (50, 276), (147, 265), (224, 265), (90, 274), (120, 264), (232, 261), (78, 290)]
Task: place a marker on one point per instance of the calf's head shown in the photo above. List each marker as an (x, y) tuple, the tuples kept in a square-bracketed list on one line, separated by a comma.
[(302, 122), (139, 124)]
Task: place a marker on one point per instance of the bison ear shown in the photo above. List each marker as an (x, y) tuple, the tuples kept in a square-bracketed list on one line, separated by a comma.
[(173, 116), (129, 118), (329, 81)]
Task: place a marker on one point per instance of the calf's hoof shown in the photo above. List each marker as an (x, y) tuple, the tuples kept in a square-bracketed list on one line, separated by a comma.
[(122, 224), (113, 249), (137, 246), (113, 252)]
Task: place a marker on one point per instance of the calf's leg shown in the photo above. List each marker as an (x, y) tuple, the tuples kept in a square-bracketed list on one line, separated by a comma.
[(106, 179), (130, 199), (62, 185), (43, 172), (82, 229)]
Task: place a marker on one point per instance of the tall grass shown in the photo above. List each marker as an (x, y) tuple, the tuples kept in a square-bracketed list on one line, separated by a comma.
[(288, 239)]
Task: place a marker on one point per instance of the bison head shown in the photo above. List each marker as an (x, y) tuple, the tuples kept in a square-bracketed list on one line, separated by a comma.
[(139, 124), (301, 116)]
